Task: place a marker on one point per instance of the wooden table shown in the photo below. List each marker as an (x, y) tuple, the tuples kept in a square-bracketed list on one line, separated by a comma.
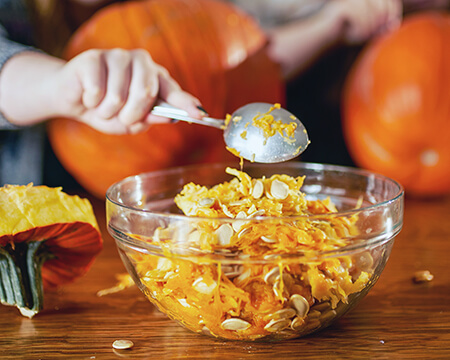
[(398, 319)]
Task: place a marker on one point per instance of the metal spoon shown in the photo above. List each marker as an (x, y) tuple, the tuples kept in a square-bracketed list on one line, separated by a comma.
[(245, 139)]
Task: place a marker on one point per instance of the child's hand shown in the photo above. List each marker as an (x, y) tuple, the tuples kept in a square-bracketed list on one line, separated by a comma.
[(113, 91)]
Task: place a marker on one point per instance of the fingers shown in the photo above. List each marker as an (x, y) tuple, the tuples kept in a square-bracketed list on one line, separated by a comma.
[(367, 18), (120, 87), (143, 90), (171, 92), (92, 75), (118, 67)]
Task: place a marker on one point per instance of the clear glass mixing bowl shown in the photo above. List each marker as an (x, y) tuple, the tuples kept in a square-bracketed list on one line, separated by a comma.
[(228, 294)]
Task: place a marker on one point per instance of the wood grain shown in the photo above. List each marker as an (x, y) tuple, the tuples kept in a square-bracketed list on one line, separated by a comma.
[(398, 319)]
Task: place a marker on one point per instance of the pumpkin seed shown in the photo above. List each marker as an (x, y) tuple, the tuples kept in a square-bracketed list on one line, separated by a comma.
[(288, 280), (184, 302), (270, 256), (207, 202), (277, 325), (242, 278), (243, 232), (312, 325), (287, 313), (226, 211), (256, 213), (271, 276), (314, 314), (268, 240), (224, 234), (258, 189), (300, 304), (194, 237), (206, 331), (231, 271), (279, 190), (235, 324), (122, 344), (297, 323), (364, 261), (168, 275), (237, 225), (202, 287), (422, 276), (252, 209), (321, 306), (164, 264), (281, 294), (327, 316)]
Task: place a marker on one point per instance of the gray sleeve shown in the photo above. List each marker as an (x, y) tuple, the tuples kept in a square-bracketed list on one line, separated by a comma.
[(8, 49)]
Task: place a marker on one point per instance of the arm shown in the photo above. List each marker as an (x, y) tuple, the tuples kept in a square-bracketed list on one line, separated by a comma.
[(297, 44), (110, 90)]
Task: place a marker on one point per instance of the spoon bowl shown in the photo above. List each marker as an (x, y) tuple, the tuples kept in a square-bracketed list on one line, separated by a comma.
[(258, 132)]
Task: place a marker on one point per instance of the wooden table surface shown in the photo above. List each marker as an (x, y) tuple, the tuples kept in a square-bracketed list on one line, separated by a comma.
[(398, 319)]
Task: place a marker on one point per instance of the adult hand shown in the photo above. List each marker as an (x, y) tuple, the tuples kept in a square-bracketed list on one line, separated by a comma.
[(114, 90), (362, 19)]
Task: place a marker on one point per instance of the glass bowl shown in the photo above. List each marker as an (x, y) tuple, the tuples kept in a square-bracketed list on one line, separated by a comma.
[(224, 292)]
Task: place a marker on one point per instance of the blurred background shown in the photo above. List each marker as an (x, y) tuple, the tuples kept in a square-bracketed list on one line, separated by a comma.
[(314, 44)]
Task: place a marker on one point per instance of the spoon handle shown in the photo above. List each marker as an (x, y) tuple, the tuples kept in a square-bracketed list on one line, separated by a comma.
[(166, 110)]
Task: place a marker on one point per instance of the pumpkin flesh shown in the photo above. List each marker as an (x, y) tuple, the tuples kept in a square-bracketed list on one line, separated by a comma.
[(48, 239)]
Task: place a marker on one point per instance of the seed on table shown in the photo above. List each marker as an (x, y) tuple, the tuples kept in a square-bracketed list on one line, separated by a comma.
[(235, 324), (422, 276), (122, 344)]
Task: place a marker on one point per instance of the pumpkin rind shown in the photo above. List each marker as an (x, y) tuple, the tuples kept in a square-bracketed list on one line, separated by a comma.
[(47, 238), (396, 105), (214, 51)]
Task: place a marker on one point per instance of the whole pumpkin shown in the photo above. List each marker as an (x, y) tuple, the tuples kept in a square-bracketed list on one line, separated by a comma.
[(396, 105), (214, 51)]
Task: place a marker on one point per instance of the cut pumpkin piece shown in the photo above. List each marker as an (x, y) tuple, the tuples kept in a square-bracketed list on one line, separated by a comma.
[(47, 238)]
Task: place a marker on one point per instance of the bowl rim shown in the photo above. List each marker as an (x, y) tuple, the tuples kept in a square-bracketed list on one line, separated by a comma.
[(306, 165), (365, 241)]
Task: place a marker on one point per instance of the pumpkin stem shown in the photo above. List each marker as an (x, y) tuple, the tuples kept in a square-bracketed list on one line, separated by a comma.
[(20, 276)]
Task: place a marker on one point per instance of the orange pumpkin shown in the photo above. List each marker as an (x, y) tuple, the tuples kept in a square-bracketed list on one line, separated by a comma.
[(396, 105), (211, 48)]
